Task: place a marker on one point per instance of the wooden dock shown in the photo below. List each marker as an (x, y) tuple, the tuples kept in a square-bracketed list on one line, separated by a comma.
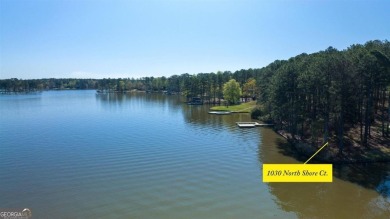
[(220, 112), (251, 124)]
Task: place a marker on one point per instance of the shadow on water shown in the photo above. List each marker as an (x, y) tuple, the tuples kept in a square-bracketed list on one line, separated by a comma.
[(287, 149), (357, 190), (374, 176)]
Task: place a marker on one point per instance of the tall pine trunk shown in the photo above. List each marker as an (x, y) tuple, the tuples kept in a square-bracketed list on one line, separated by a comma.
[(367, 120), (388, 119), (383, 111), (341, 132)]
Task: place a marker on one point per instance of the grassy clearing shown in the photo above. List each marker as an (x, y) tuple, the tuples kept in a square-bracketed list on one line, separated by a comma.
[(241, 108)]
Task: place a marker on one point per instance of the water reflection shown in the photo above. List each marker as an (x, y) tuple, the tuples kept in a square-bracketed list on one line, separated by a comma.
[(117, 101), (374, 176), (16, 102), (196, 115), (357, 191)]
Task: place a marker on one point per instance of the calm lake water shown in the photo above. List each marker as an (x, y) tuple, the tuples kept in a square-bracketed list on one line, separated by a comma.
[(75, 154)]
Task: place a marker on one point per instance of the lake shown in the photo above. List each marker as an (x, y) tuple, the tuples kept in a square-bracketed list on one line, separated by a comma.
[(77, 154)]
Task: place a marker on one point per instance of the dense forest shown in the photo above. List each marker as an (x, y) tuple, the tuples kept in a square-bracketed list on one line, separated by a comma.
[(314, 97), (321, 96)]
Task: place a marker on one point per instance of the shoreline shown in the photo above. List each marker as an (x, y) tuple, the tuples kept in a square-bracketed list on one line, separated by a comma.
[(331, 155)]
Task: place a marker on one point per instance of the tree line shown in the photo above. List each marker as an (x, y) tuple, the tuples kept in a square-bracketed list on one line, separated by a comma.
[(208, 86), (323, 95), (314, 96)]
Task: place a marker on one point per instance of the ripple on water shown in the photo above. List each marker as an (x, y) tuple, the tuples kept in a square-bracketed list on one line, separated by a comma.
[(135, 156)]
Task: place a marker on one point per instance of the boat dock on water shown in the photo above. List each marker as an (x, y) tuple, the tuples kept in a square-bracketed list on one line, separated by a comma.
[(220, 112), (251, 124)]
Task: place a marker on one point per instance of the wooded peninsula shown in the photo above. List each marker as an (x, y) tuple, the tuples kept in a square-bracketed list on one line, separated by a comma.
[(336, 96)]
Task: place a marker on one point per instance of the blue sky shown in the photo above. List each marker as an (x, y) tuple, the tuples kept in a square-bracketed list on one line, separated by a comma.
[(110, 38)]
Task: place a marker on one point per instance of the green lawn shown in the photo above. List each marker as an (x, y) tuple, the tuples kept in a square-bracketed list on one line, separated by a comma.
[(242, 108)]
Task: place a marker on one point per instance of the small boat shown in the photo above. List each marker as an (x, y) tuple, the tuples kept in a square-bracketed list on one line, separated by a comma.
[(220, 112)]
